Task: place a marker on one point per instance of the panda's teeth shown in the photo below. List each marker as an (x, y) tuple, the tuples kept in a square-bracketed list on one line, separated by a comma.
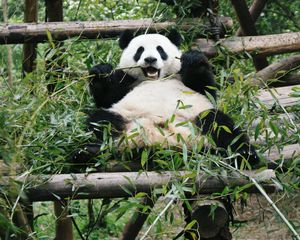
[(151, 72), (152, 75)]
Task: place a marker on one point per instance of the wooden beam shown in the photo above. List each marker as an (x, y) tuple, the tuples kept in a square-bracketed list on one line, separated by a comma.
[(126, 184), (276, 70), (282, 95), (264, 45), (29, 49), (248, 29), (20, 33), (288, 80)]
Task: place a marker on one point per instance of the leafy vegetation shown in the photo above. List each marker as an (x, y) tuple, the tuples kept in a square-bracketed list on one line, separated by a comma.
[(39, 132)]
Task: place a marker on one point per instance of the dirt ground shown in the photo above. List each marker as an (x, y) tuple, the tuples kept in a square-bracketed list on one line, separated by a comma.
[(256, 221), (261, 221)]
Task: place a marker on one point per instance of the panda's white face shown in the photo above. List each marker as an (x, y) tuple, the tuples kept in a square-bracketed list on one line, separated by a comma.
[(150, 57)]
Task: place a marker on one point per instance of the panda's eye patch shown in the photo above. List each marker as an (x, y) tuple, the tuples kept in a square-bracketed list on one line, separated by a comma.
[(162, 53), (138, 53)]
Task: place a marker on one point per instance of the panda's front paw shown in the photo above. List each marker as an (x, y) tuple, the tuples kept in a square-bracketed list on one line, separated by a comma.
[(84, 155), (101, 71), (248, 153), (194, 58)]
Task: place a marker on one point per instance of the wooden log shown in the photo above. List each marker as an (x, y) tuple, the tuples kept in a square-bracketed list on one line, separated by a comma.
[(276, 70), (20, 33), (288, 80), (264, 45), (255, 10), (282, 96), (126, 184), (248, 29), (288, 152), (280, 119), (210, 223), (29, 49)]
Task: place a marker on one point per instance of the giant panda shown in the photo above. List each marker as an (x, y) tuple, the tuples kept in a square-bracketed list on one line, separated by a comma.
[(158, 93)]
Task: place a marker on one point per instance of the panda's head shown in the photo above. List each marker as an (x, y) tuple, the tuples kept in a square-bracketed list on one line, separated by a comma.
[(150, 56)]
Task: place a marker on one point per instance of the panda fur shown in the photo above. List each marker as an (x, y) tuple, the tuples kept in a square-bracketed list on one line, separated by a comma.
[(154, 83)]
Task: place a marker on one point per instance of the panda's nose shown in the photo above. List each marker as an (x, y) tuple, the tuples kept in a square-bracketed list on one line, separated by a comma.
[(150, 60)]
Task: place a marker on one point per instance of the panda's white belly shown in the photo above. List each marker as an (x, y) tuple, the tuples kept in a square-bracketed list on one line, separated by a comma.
[(159, 111)]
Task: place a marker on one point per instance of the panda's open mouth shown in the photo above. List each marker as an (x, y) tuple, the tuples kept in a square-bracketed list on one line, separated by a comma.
[(151, 72)]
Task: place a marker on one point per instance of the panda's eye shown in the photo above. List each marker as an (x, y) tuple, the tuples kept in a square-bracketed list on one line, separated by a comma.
[(162, 53), (138, 53)]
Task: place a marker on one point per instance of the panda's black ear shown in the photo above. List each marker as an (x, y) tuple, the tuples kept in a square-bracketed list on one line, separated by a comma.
[(175, 37), (125, 38)]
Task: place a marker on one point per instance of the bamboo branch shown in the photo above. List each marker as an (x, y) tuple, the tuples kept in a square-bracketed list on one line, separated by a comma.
[(31, 32)]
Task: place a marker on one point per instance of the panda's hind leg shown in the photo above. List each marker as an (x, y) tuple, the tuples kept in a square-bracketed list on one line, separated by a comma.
[(225, 134), (103, 123)]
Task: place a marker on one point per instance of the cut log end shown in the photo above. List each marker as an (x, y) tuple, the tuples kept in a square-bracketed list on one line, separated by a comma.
[(212, 219)]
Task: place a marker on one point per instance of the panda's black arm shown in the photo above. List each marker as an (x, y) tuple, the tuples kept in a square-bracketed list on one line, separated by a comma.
[(108, 86), (196, 73), (221, 128)]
